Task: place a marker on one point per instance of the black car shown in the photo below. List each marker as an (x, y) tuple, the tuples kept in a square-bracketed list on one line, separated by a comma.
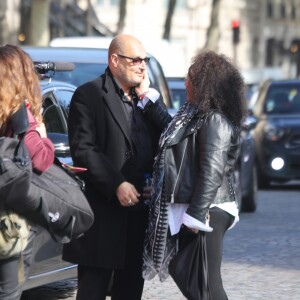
[(91, 63), (245, 173), (47, 265), (277, 134)]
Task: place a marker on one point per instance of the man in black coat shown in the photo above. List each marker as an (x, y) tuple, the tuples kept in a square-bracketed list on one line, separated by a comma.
[(111, 136)]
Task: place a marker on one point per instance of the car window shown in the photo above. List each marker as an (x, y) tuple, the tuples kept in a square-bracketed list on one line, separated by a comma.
[(82, 73), (52, 115), (158, 81), (178, 97), (283, 100), (64, 99), (85, 72)]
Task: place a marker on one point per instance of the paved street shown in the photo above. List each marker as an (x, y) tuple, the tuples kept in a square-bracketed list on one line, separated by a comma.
[(261, 254)]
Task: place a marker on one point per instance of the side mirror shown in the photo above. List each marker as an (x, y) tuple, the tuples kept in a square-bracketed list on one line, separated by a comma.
[(250, 122), (61, 143)]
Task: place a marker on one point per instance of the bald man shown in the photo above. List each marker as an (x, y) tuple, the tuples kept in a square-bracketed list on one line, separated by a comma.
[(114, 125)]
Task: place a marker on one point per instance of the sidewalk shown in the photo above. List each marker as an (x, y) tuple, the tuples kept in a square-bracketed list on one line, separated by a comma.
[(153, 290), (156, 290)]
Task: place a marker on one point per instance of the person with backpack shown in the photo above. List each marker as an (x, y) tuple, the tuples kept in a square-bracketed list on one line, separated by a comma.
[(19, 84)]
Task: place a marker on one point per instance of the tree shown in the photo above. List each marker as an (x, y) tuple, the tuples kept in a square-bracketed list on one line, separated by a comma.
[(213, 32), (122, 16), (3, 23), (169, 17), (9, 21), (39, 23)]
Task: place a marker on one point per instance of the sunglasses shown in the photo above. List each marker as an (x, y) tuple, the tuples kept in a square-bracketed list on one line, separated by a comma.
[(136, 60)]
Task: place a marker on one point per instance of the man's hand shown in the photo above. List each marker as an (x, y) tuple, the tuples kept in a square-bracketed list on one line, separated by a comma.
[(127, 194), (144, 85)]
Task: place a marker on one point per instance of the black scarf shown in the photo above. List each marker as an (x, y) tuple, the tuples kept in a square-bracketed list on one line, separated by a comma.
[(158, 249)]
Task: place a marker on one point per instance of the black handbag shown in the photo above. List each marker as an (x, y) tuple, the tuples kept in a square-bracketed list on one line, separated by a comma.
[(189, 268), (62, 203), (57, 202), (53, 199)]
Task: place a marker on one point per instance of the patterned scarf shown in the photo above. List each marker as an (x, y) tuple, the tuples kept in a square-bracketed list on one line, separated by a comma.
[(158, 248)]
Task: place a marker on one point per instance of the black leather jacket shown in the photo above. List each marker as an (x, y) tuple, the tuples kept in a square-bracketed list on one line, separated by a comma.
[(199, 163)]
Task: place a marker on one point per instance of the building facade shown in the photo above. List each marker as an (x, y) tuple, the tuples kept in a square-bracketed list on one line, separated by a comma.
[(269, 31)]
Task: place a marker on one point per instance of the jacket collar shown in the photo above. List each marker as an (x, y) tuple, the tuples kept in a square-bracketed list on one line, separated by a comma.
[(114, 103), (188, 129)]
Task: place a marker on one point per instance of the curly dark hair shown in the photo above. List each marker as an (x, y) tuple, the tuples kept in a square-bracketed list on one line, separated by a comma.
[(217, 85)]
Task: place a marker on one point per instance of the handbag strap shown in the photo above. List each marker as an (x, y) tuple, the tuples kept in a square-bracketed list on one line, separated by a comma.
[(20, 125), (19, 153), (19, 120)]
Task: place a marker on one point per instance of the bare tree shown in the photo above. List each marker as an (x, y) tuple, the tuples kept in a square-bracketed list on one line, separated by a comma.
[(169, 17), (39, 22), (122, 16), (3, 23), (9, 21), (213, 32)]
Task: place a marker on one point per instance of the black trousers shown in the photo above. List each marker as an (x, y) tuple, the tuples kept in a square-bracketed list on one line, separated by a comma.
[(220, 221), (127, 283), (11, 282)]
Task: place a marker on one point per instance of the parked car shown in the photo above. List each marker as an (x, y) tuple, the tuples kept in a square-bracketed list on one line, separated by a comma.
[(177, 91), (91, 63), (47, 265), (277, 134), (245, 174)]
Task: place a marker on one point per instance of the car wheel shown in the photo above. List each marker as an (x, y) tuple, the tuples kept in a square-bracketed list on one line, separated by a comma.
[(263, 182), (249, 201)]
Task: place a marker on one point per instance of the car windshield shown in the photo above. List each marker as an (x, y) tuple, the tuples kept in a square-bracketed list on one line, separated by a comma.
[(178, 97), (82, 73), (283, 100)]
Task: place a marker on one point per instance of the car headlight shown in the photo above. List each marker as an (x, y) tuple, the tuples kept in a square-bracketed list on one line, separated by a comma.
[(277, 163), (273, 133)]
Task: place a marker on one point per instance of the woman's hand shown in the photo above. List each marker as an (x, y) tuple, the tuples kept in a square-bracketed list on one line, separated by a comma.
[(189, 229), (193, 230), (41, 129)]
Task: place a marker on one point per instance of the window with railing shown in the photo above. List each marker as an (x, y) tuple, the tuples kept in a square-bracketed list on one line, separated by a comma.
[(282, 10), (270, 9), (293, 11), (270, 52)]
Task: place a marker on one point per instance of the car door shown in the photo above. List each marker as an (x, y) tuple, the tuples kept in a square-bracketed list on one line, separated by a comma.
[(47, 265)]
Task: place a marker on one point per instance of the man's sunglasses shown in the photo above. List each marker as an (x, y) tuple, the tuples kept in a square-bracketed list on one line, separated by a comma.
[(136, 60)]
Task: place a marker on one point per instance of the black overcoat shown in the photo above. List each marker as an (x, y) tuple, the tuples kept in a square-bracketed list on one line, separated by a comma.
[(100, 141)]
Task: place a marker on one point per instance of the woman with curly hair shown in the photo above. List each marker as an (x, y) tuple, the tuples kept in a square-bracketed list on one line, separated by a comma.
[(192, 187), (19, 84)]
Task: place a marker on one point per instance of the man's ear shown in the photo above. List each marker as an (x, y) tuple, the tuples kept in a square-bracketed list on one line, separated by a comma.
[(114, 60)]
